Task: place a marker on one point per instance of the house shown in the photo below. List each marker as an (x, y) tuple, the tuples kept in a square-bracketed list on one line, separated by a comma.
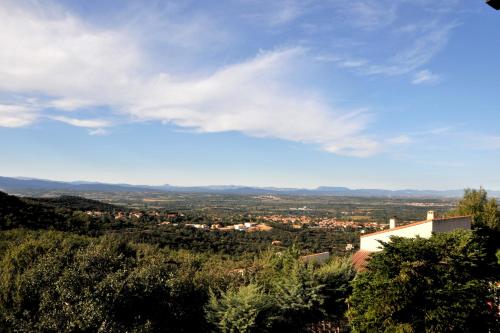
[(196, 225), (359, 259), (94, 213), (119, 216), (227, 228), (164, 223), (370, 243), (137, 215), (424, 229)]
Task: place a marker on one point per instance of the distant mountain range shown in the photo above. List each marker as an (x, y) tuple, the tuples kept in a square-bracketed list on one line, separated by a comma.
[(10, 184)]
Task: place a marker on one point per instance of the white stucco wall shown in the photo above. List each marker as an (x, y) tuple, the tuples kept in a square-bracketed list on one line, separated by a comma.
[(447, 225), (423, 229), (370, 242)]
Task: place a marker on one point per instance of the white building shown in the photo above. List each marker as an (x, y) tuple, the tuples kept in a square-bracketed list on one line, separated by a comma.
[(197, 226), (424, 229)]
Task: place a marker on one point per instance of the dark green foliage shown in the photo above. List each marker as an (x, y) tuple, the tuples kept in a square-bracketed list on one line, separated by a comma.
[(243, 309), (66, 214), (483, 210), (240, 244), (15, 213), (56, 282), (439, 284), (70, 202), (283, 294), (63, 213), (335, 277), (114, 276), (60, 282)]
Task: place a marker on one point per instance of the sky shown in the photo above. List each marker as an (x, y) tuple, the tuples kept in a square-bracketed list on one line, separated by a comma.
[(390, 94)]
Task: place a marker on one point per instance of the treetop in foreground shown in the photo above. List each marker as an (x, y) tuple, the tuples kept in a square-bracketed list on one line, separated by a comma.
[(441, 284)]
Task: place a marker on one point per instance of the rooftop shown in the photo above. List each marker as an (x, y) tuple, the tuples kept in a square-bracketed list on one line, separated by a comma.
[(414, 224), (360, 258)]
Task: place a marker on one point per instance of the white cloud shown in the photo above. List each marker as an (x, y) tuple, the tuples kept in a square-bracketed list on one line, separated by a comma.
[(407, 58), (367, 14), (400, 140), (99, 132), (440, 130), (68, 104), (403, 43), (57, 56), (424, 47), (288, 11), (425, 77), (446, 164), (352, 63), (494, 142), (16, 115), (487, 142), (86, 123), (249, 97), (277, 12)]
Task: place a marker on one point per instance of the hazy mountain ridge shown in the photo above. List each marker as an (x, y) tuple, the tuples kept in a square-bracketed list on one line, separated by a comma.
[(13, 184)]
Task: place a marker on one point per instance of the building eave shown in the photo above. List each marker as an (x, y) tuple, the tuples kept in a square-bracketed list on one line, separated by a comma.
[(414, 224)]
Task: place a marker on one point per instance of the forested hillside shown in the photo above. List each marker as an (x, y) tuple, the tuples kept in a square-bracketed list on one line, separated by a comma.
[(63, 270), (74, 203), (68, 213), (64, 213), (16, 212)]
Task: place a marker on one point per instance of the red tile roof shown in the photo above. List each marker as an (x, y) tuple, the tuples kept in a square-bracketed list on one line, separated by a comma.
[(360, 258)]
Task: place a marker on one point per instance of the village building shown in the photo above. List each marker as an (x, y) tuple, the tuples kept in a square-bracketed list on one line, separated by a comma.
[(249, 224), (196, 225), (240, 227), (120, 215), (137, 215), (164, 223)]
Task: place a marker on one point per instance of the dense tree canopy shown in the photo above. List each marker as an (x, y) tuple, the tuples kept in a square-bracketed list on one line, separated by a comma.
[(54, 282), (483, 210), (65, 271), (61, 282), (65, 214), (441, 284), (284, 295)]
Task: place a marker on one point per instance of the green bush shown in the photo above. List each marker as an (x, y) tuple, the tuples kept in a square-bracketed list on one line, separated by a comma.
[(441, 284), (284, 295), (55, 282), (242, 309)]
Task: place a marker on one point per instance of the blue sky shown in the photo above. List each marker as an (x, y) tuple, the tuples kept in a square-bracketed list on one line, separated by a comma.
[(389, 94)]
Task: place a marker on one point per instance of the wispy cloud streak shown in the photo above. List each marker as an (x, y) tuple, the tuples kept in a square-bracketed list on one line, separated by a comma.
[(425, 77), (55, 55)]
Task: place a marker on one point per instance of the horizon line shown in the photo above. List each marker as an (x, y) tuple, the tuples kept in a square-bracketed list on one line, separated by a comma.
[(244, 186)]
